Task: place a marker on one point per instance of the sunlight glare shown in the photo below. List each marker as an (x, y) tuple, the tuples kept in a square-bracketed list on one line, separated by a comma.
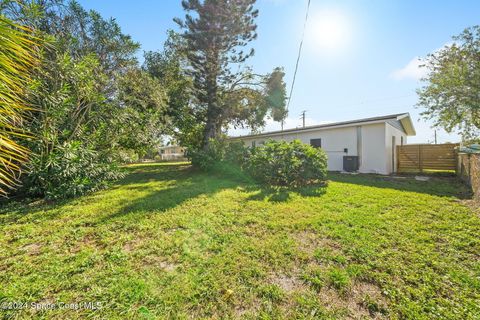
[(328, 30)]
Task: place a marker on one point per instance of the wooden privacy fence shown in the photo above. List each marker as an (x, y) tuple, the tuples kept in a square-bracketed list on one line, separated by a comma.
[(469, 171), (419, 157)]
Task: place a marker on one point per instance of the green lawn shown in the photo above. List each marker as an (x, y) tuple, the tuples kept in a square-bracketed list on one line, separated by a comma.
[(169, 242)]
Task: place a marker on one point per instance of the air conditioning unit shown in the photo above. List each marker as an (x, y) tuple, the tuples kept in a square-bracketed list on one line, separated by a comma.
[(350, 163)]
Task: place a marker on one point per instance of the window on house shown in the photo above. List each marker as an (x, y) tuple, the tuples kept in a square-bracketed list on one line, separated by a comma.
[(253, 144), (316, 143), (162, 151)]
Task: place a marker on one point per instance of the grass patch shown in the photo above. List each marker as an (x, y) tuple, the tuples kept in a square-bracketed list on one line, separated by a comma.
[(170, 242)]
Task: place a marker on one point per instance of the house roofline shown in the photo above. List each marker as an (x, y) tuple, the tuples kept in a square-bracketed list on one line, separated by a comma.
[(404, 118), (407, 124)]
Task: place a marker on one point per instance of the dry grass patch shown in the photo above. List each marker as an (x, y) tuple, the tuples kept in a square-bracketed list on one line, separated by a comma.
[(288, 283), (308, 241), (363, 300), (32, 249)]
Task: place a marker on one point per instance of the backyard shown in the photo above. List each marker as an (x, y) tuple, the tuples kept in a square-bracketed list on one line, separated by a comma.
[(171, 242)]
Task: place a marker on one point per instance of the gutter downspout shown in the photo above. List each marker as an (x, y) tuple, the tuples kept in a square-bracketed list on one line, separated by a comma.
[(359, 147)]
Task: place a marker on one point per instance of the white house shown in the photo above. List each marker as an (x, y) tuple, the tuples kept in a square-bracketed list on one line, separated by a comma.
[(370, 142), (170, 153)]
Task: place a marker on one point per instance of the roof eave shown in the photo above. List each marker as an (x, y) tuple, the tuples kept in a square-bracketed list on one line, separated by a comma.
[(407, 124), (404, 118)]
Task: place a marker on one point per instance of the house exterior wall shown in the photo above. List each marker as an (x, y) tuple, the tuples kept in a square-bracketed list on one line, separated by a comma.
[(334, 141), (371, 142), (392, 130), (373, 156), (172, 150), (172, 153)]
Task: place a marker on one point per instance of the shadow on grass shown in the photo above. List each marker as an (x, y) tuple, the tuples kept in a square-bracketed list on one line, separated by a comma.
[(140, 173), (282, 194), (180, 183), (14, 210), (188, 183), (442, 186)]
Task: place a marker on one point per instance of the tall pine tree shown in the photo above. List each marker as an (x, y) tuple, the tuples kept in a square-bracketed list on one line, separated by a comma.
[(216, 34)]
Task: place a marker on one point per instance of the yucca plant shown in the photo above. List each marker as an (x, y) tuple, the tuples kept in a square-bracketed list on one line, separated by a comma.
[(18, 56)]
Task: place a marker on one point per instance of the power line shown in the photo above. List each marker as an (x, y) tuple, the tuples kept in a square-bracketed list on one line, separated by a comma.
[(298, 56)]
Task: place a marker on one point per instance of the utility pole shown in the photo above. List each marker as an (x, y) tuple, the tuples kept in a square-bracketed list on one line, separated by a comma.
[(303, 117), (435, 136)]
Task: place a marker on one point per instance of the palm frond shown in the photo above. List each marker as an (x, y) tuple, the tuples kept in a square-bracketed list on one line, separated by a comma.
[(18, 56)]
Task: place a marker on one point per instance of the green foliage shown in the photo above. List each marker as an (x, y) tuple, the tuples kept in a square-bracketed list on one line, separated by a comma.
[(315, 277), (78, 32), (71, 169), (222, 157), (276, 163), (89, 95), (185, 123), (18, 56), (287, 163), (272, 293), (66, 93), (127, 156), (63, 162), (339, 279), (276, 94), (236, 153), (452, 90), (140, 123), (207, 159)]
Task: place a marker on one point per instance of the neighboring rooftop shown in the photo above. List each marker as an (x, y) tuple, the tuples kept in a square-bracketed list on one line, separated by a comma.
[(404, 118)]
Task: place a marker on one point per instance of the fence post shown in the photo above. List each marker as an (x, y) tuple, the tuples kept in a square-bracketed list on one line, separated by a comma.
[(397, 163), (457, 161), (420, 164), (469, 169)]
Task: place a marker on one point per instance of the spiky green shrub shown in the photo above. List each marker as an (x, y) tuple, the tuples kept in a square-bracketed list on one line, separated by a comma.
[(70, 170)]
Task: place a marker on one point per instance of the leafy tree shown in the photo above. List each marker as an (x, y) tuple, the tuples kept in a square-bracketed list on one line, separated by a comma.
[(451, 96), (141, 121), (65, 159), (216, 31), (77, 32), (66, 93), (18, 56), (168, 67), (93, 103)]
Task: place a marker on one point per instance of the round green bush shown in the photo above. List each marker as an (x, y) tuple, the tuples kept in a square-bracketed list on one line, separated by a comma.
[(284, 163)]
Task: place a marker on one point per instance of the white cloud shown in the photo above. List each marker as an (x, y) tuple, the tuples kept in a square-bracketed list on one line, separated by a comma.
[(290, 123), (412, 70)]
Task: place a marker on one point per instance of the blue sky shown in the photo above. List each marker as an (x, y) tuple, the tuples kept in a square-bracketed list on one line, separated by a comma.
[(359, 57)]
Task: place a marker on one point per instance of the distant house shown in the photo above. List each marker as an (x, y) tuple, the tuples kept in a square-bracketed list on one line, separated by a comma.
[(364, 145), (170, 153)]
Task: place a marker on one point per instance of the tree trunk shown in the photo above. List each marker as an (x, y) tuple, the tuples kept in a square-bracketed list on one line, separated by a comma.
[(213, 112), (210, 132)]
